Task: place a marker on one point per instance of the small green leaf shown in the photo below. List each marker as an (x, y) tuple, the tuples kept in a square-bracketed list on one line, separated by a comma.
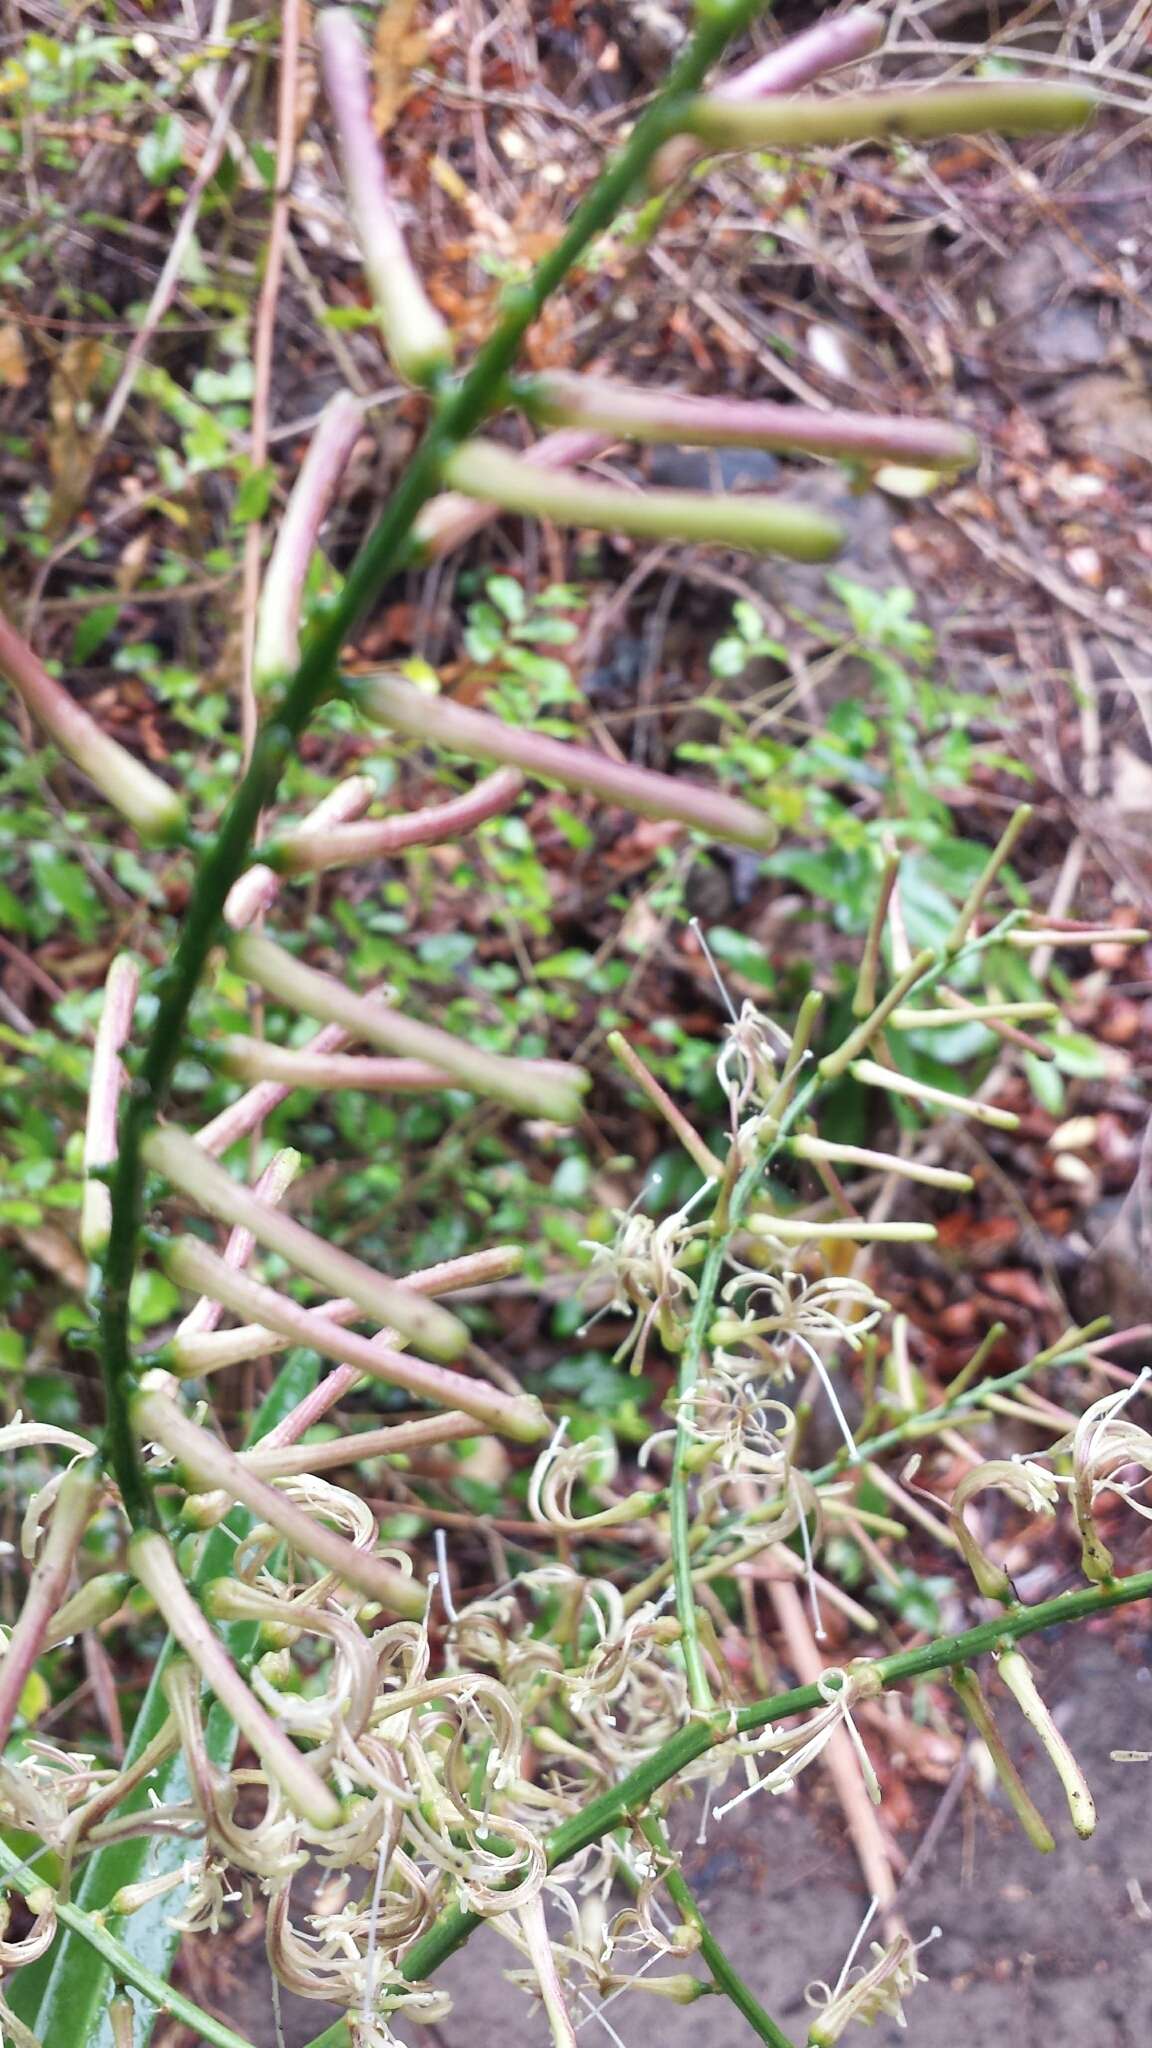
[(253, 496), (573, 965), (1081, 1057), (161, 153), (508, 597), (11, 1349), (729, 657), (153, 1299), (93, 630)]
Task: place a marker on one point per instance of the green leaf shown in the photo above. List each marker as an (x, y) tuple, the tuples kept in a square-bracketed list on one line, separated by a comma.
[(64, 1998), (1046, 1083), (153, 1298), (729, 657), (508, 596), (66, 889), (573, 965), (162, 151), (93, 630), (253, 496), (11, 1349), (226, 387), (1080, 1056), (743, 954)]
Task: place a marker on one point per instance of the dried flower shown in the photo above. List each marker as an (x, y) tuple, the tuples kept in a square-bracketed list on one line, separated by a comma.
[(1101, 1445), (1028, 1484), (865, 1996)]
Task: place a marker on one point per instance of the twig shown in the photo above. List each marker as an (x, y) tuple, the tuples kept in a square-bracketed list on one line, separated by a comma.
[(169, 277), (263, 348)]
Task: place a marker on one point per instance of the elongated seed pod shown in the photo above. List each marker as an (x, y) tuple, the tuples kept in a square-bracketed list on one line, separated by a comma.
[(417, 339), (484, 738), (759, 524), (1020, 108), (634, 413), (150, 805), (546, 1088), (178, 1157)]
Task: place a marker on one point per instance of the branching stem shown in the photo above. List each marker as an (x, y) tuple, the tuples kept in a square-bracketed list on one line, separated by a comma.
[(460, 411)]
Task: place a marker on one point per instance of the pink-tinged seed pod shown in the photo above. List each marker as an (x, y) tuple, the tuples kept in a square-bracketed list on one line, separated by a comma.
[(191, 1264), (259, 885), (417, 339), (451, 519), (796, 63), (178, 1157), (75, 1503), (254, 1059), (631, 413), (479, 735), (210, 1463), (278, 618), (155, 1565), (141, 797), (107, 1080), (312, 848), (545, 1088)]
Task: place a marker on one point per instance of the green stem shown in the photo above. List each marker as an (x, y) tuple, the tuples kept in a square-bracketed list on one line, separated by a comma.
[(725, 1978), (699, 1690), (461, 410), (122, 1962)]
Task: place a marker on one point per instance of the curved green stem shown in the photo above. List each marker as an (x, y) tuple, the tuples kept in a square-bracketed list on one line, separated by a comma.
[(121, 1961), (461, 409), (679, 1526), (725, 1978)]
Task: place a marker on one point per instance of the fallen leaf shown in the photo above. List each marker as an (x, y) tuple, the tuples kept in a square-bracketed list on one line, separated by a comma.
[(397, 50), (13, 360)]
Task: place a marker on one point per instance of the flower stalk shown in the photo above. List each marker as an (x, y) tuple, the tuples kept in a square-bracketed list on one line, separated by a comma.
[(970, 1693), (836, 1063)]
